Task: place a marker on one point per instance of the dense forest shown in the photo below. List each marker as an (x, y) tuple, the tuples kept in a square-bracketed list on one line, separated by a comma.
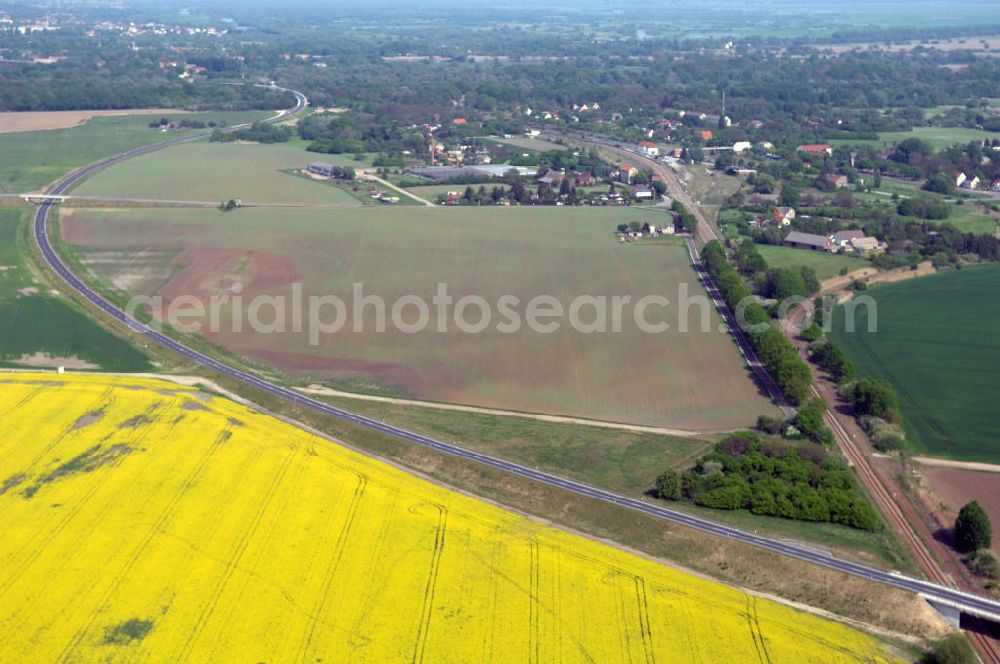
[(480, 67)]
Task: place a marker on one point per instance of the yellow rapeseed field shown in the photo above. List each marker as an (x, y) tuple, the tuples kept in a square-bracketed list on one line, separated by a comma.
[(146, 521)]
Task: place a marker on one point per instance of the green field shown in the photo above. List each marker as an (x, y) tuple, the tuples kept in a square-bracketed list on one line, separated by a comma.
[(38, 328), (527, 143), (972, 218), (694, 380), (31, 160), (937, 137), (618, 460), (206, 171), (937, 342), (825, 264)]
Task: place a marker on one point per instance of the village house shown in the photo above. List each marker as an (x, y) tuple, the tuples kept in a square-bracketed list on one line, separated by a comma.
[(705, 135), (842, 239), (798, 240), (996, 185), (627, 173), (585, 180), (741, 146), (971, 183), (818, 150), (960, 179), (641, 191), (835, 180), (865, 246), (649, 149), (782, 216)]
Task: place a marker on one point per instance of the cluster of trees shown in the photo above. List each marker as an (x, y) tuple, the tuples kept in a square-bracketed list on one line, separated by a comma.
[(688, 221), (774, 350), (359, 132), (774, 478), (795, 281), (915, 158), (342, 172), (809, 422), (828, 356), (924, 207), (106, 74), (874, 398), (779, 283), (480, 196), (185, 123), (258, 132)]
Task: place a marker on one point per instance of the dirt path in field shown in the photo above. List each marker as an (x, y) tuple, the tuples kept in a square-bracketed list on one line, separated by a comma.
[(199, 381), (959, 465), (871, 276), (366, 175), (557, 419)]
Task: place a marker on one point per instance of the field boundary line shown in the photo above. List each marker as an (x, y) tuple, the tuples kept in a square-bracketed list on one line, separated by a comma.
[(541, 417)]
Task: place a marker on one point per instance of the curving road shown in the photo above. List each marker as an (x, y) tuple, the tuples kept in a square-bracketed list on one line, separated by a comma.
[(968, 602)]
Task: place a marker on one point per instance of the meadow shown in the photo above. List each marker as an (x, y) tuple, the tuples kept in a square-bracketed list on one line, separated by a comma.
[(34, 159), (38, 328), (206, 171), (693, 381), (937, 137), (936, 343), (971, 216), (825, 264), (161, 523)]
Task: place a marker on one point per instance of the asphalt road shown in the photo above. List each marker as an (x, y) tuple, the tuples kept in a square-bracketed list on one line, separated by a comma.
[(969, 602)]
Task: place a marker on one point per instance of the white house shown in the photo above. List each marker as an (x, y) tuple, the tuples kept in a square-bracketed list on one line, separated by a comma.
[(649, 149)]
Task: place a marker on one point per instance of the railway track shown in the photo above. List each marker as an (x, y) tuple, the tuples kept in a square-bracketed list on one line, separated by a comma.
[(968, 601), (885, 500)]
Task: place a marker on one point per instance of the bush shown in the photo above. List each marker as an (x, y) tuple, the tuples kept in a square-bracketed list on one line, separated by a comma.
[(924, 207), (952, 649), (768, 424), (888, 442), (874, 397), (809, 419), (984, 564), (812, 333), (973, 530), (830, 358), (668, 485)]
